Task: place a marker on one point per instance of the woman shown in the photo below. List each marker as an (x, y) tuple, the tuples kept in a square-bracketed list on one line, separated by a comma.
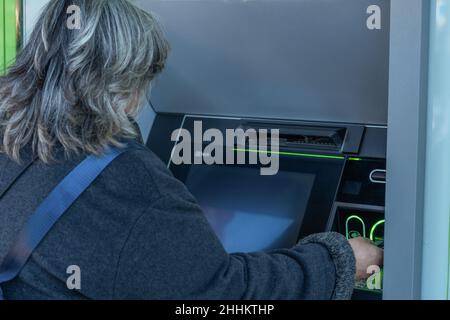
[(136, 233)]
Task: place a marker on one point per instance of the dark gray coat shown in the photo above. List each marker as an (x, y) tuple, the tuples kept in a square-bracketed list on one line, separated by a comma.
[(137, 233)]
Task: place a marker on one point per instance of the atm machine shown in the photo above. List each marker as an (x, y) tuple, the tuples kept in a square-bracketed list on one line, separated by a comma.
[(318, 72)]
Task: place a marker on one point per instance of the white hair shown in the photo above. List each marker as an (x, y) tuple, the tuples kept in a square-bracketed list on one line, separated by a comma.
[(79, 87)]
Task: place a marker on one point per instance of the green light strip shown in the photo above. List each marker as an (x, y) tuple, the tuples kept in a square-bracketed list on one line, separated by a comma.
[(372, 231), (295, 154), (352, 218)]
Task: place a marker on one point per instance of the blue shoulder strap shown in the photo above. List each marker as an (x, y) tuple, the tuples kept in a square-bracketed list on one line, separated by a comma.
[(50, 210)]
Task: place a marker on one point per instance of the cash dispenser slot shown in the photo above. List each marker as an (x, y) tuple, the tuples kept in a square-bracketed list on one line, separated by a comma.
[(314, 138), (320, 138)]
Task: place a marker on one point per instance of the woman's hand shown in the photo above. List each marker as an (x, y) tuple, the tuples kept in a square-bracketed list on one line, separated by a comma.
[(366, 254)]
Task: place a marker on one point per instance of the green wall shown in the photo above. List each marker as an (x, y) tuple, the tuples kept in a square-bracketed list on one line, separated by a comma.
[(8, 32)]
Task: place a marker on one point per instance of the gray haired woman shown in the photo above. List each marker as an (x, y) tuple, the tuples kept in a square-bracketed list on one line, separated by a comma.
[(136, 232)]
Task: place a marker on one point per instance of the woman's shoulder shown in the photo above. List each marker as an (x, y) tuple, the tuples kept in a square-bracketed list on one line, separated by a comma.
[(3, 163), (138, 171), (141, 155), (140, 167), (9, 170)]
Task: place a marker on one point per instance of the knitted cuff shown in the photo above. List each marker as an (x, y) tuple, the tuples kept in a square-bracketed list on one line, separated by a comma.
[(344, 261)]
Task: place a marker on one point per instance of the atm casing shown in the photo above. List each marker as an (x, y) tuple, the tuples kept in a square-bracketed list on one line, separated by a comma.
[(273, 63)]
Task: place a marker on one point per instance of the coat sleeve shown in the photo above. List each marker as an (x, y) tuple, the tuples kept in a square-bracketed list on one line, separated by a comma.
[(173, 253)]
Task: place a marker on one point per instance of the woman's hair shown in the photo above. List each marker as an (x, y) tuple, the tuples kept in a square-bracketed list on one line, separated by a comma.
[(78, 87)]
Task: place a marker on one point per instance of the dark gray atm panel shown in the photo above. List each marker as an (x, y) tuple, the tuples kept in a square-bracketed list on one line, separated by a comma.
[(313, 60)]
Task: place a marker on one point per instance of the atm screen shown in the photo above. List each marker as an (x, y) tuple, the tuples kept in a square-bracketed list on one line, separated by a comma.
[(250, 212)]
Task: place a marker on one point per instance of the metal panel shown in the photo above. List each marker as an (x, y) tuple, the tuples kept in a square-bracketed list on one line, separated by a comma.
[(406, 148), (435, 274), (288, 59)]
